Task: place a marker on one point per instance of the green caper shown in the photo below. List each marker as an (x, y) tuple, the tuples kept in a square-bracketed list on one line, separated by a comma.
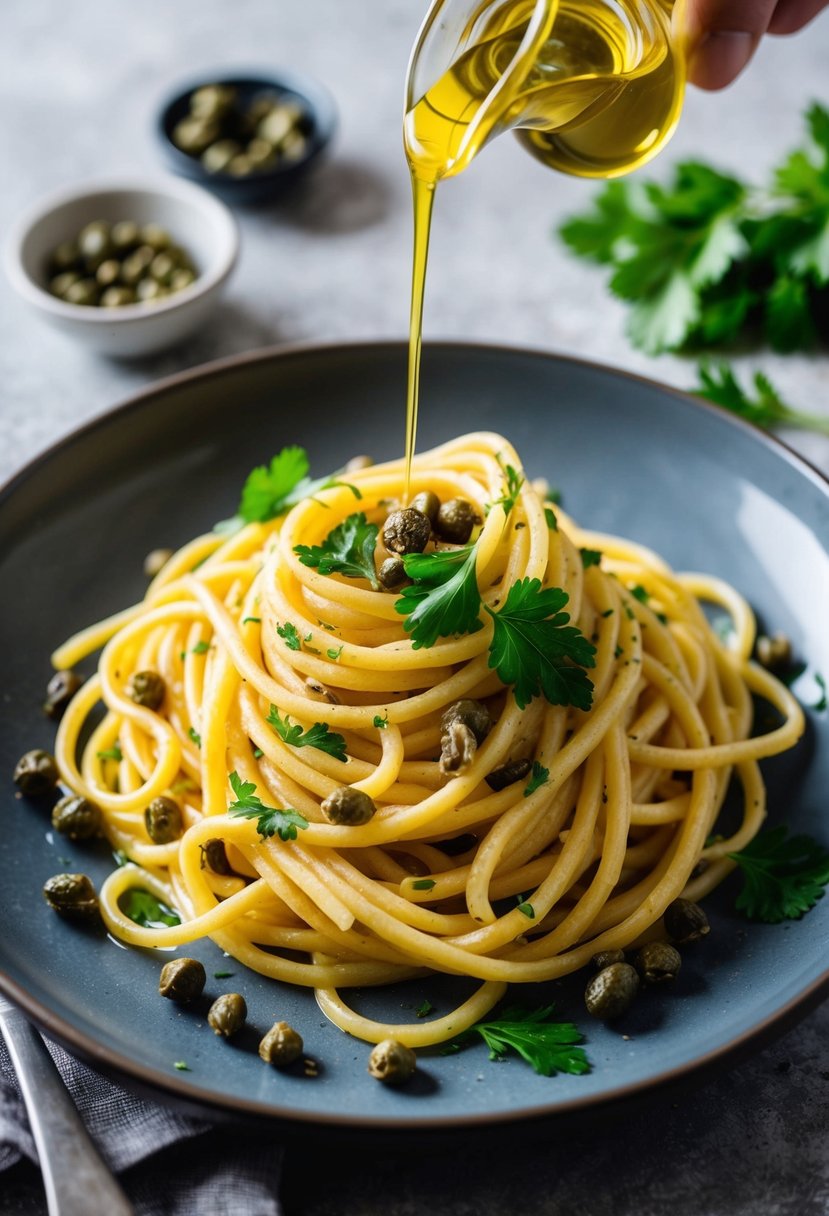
[(294, 145), (182, 980), (117, 297), (428, 503), (609, 993), (606, 958), (391, 1062), (348, 806), (685, 921), (657, 963), (406, 531), (773, 653), (108, 272), (455, 521), (36, 773), (193, 135), (61, 283), (77, 817), (72, 895), (149, 291), (392, 574), (124, 236), (155, 561), (59, 692), (507, 774), (278, 123), (473, 714), (156, 237), (146, 688), (84, 292), (94, 244), (261, 105), (240, 166), (135, 266), (65, 257), (162, 819), (281, 1045), (218, 156), (161, 268), (464, 725), (214, 856), (260, 153), (181, 278), (212, 100), (227, 1014)]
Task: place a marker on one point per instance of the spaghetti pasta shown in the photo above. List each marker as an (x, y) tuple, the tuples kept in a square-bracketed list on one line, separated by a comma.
[(609, 832)]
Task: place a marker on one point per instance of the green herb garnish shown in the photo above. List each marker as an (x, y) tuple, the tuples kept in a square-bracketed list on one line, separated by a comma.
[(527, 909), (514, 481), (423, 884), (181, 1066), (548, 1047), (590, 557), (270, 820), (255, 620), (200, 648), (444, 598), (348, 549), (765, 408), (538, 777), (550, 516), (381, 722), (822, 703), (194, 736), (143, 908), (334, 653), (319, 735), (222, 975), (783, 876), (290, 635), (111, 753), (424, 1009)]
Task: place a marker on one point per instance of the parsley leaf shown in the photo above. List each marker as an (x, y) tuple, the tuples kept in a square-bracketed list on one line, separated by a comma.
[(444, 598), (270, 820), (537, 651), (194, 736), (182, 1066), (550, 517), (381, 721), (268, 488), (539, 776), (549, 1047), (143, 908), (423, 884), (782, 877), (318, 735), (514, 481), (200, 648), (527, 909), (290, 635), (590, 557), (765, 407), (348, 549), (424, 1008), (111, 753)]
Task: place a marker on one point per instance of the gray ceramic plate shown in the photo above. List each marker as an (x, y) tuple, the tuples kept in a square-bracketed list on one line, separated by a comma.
[(703, 489)]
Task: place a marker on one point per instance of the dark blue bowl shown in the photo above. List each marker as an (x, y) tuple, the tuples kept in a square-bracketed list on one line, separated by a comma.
[(268, 184)]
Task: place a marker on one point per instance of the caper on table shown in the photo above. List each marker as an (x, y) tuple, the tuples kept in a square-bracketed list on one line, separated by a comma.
[(112, 265), (606, 958), (227, 1014), (610, 992), (281, 1046), (507, 774), (76, 817), (455, 520), (657, 963), (72, 895), (392, 1062), (36, 773), (406, 531), (146, 688), (685, 921), (182, 980), (162, 819), (59, 692), (348, 806)]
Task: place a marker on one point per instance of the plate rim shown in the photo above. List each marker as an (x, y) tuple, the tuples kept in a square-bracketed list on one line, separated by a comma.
[(176, 1091)]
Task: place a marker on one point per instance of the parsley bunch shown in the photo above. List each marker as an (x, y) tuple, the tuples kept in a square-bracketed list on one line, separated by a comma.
[(708, 257)]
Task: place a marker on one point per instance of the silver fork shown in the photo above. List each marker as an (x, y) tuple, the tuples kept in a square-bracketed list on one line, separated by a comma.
[(76, 1178)]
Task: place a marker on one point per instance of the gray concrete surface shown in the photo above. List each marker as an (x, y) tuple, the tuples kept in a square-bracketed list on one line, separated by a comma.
[(79, 84)]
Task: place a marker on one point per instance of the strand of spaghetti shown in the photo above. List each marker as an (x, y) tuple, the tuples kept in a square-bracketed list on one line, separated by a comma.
[(422, 1034)]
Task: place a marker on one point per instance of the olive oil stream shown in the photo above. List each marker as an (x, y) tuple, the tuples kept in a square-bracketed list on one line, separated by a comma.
[(593, 88)]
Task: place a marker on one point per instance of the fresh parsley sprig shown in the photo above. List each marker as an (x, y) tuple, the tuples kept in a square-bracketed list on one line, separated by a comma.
[(765, 407), (443, 598), (319, 735), (143, 908), (783, 876), (549, 1047), (272, 489), (348, 549), (514, 481), (271, 821)]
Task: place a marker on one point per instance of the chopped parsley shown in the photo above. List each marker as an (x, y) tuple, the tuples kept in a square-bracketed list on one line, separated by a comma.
[(514, 482), (527, 909), (222, 975), (548, 1047), (538, 777), (181, 1066), (290, 635), (423, 884), (550, 516), (424, 1009), (143, 908), (200, 648), (348, 549), (765, 407), (111, 753), (194, 735), (590, 557), (334, 653), (443, 598), (381, 722), (254, 620), (319, 735), (270, 820), (783, 876), (822, 703)]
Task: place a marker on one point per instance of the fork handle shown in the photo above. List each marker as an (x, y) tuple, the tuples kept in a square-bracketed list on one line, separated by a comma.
[(76, 1179)]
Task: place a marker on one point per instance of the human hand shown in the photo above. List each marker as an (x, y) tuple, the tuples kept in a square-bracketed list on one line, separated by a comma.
[(722, 35)]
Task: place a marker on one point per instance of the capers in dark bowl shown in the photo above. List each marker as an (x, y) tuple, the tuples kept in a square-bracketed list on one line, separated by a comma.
[(146, 688), (162, 819), (610, 992), (59, 692), (36, 773), (685, 921), (182, 980), (657, 963), (406, 531), (76, 817), (348, 806), (455, 521), (281, 1046), (72, 895), (392, 1062), (227, 1014)]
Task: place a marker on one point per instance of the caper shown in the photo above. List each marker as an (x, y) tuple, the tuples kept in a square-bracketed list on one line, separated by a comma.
[(657, 963), (77, 817), (261, 154), (293, 146), (281, 1045), (428, 503), (508, 774), (134, 267), (606, 958), (66, 256), (59, 692), (162, 819), (84, 292), (146, 688), (156, 237), (348, 806), (72, 895), (212, 100), (277, 123), (94, 244), (181, 278), (36, 773), (357, 463), (685, 921), (457, 748), (320, 692), (108, 272), (124, 236), (117, 297), (182, 980), (773, 653), (240, 166), (218, 156), (214, 856), (61, 283), (155, 561), (161, 268), (227, 1014), (473, 714), (609, 993), (261, 106), (193, 134), (392, 574), (391, 1062), (455, 520), (148, 290), (406, 531)]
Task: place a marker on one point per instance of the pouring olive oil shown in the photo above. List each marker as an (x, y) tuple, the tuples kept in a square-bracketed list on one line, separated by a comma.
[(591, 87)]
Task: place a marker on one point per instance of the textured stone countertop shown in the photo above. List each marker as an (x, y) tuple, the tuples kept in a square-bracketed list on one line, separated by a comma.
[(79, 84)]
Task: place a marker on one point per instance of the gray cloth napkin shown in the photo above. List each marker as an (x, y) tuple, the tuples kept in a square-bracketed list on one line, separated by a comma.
[(169, 1164)]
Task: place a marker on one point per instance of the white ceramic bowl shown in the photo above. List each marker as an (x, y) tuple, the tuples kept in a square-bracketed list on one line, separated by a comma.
[(196, 220)]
